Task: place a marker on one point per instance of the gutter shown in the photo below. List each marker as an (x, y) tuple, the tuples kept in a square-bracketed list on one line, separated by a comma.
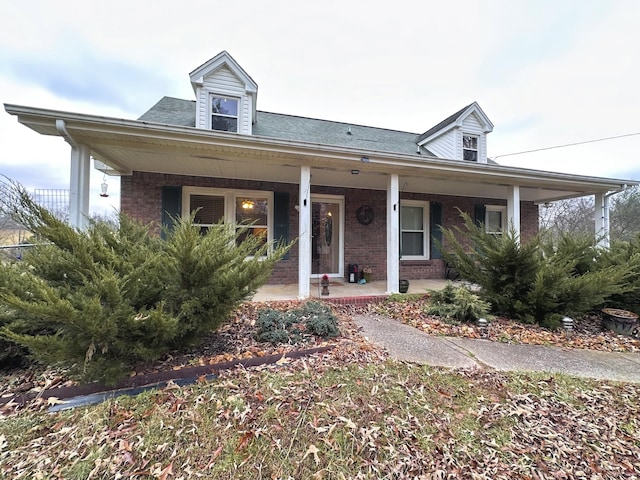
[(61, 127), (380, 159)]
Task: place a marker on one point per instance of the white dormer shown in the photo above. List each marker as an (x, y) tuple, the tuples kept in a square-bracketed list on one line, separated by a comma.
[(462, 136), (225, 95)]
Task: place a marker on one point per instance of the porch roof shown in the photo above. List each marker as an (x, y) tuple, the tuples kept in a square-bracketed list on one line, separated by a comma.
[(125, 146)]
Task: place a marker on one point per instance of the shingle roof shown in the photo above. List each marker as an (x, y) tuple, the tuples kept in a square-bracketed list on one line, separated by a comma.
[(172, 111), (175, 111), (447, 121)]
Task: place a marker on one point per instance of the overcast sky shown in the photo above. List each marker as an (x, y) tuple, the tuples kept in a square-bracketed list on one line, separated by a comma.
[(545, 72)]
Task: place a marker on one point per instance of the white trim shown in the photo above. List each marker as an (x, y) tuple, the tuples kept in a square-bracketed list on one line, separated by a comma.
[(393, 233), (513, 209), (230, 195), (210, 95), (304, 233), (503, 217), (156, 135), (339, 199), (425, 223), (478, 138)]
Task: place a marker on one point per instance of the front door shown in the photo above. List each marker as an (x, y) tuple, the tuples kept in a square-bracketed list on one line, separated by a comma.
[(327, 212)]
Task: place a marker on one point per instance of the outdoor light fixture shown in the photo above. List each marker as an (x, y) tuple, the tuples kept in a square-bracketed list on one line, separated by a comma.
[(483, 325), (247, 204), (567, 324), (103, 187), (355, 172), (364, 159)]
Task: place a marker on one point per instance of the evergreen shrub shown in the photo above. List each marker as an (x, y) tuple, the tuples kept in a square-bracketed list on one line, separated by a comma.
[(534, 282), (105, 298), (458, 303), (293, 326)]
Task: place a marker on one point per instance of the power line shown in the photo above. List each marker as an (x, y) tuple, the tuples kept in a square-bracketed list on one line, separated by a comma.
[(567, 145)]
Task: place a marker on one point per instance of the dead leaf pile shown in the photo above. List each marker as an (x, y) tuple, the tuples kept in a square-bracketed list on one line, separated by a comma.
[(588, 332)]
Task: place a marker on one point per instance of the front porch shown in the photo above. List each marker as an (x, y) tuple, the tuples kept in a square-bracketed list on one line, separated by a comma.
[(340, 291)]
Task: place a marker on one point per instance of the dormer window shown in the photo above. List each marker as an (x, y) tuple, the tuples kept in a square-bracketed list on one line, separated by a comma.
[(224, 113), (470, 148)]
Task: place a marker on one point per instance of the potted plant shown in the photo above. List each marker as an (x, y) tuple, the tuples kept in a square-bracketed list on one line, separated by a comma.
[(366, 274), (404, 286), (619, 321), (324, 281)]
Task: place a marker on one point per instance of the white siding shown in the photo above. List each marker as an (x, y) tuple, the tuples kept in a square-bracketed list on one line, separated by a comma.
[(473, 126), (223, 82), (444, 146)]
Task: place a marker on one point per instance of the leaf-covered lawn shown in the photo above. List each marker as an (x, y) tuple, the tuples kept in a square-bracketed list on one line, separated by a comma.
[(349, 414)]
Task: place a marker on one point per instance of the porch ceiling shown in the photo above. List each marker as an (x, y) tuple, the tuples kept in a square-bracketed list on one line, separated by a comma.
[(126, 146)]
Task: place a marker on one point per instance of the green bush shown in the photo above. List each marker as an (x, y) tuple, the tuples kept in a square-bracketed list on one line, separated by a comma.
[(625, 253), (312, 318), (535, 281), (102, 299), (457, 303)]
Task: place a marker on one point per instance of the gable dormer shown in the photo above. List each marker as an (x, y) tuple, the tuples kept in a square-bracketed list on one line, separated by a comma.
[(225, 95), (462, 136)]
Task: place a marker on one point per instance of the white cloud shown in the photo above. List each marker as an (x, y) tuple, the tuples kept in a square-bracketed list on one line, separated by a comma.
[(546, 73)]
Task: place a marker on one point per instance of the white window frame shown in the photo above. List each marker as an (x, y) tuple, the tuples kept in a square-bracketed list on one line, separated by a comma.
[(230, 197), (477, 149), (213, 95), (503, 217), (425, 231)]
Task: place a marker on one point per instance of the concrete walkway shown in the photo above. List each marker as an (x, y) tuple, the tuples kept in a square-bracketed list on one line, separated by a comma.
[(410, 344)]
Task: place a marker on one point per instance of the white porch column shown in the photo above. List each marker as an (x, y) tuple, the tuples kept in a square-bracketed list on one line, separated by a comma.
[(304, 237), (393, 234), (513, 209), (602, 219), (79, 185)]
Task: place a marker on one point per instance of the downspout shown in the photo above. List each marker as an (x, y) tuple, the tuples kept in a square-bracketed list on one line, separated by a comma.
[(78, 178), (605, 213), (61, 127)]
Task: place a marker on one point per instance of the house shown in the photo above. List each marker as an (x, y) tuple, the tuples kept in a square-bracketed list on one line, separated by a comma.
[(351, 194)]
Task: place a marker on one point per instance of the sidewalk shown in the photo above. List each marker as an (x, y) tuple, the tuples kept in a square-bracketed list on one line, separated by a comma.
[(410, 344)]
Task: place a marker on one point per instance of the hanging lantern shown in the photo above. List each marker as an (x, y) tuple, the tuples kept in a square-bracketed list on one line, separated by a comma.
[(103, 187)]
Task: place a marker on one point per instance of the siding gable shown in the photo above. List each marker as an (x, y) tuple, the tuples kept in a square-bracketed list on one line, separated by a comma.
[(223, 76), (445, 139)]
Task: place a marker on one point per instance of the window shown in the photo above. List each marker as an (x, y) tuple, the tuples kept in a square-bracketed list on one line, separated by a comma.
[(224, 113), (253, 210), (413, 230), (239, 206), (494, 219), (470, 148)]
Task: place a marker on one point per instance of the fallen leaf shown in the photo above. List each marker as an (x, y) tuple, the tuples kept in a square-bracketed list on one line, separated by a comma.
[(314, 451)]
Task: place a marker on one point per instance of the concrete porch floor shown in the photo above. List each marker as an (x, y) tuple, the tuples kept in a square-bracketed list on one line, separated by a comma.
[(341, 289)]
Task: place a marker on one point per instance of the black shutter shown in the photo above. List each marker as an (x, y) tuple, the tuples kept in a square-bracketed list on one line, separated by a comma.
[(479, 214), (435, 222), (281, 218), (171, 206)]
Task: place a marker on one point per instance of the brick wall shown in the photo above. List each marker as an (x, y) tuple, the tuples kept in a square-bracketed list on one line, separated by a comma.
[(364, 245)]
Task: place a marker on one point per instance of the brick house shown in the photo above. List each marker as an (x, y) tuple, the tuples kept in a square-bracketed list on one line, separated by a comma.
[(351, 194)]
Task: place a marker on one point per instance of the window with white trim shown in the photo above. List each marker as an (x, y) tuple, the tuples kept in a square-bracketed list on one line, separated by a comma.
[(470, 148), (246, 207), (414, 230), (494, 219), (224, 113)]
